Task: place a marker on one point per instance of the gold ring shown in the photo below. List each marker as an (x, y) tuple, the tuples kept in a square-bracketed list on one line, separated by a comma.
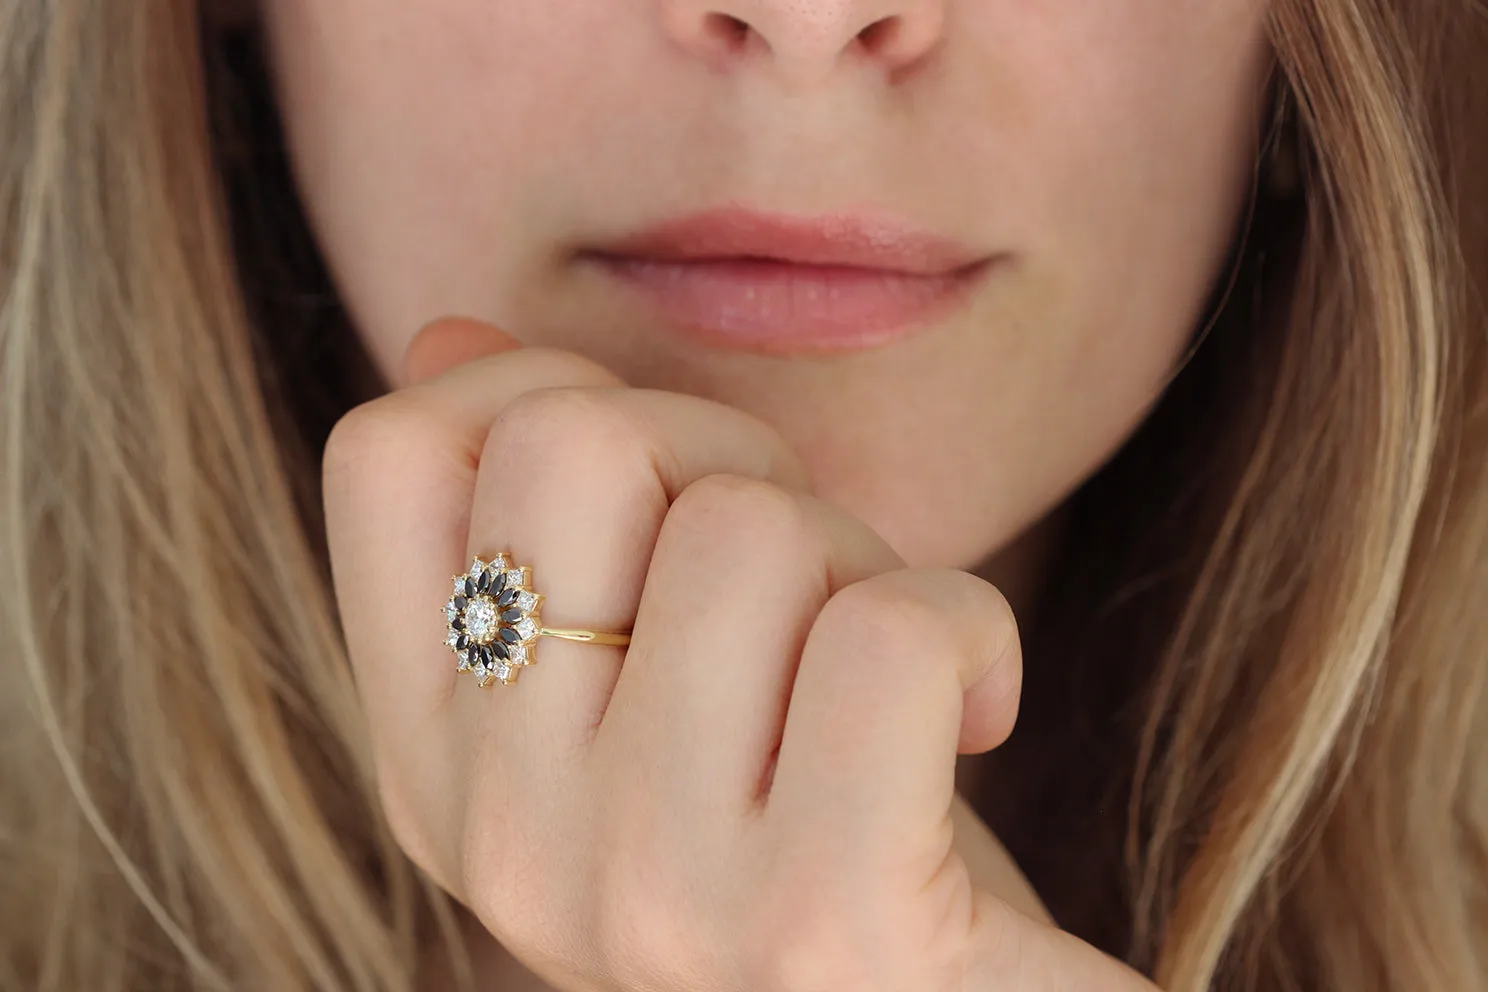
[(493, 621)]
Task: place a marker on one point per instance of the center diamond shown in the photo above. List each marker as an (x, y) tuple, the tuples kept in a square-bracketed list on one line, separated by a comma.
[(480, 620)]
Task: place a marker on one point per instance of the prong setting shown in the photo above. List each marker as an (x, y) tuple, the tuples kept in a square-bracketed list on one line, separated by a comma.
[(493, 620)]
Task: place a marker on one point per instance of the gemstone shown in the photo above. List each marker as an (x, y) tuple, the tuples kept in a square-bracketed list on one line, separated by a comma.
[(451, 610), (517, 654), (510, 636), (458, 623), (481, 674), (464, 665), (512, 616), (527, 628), (480, 619), (499, 648), (484, 583), (498, 582), (501, 670), (462, 641), (506, 597), (527, 601), (476, 565), (460, 602), (516, 576), (453, 640), (472, 656), (459, 585), (486, 656), (469, 586)]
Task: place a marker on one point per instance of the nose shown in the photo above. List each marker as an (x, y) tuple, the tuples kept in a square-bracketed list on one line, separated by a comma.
[(807, 39)]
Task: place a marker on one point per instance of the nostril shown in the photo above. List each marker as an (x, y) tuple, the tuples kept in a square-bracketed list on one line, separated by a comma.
[(879, 33), (730, 31)]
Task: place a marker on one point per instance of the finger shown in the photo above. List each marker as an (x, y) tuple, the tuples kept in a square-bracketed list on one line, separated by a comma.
[(577, 484), (740, 570), (875, 717), (442, 344), (399, 477)]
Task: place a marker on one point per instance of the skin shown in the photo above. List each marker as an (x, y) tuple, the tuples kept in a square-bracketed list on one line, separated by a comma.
[(629, 828)]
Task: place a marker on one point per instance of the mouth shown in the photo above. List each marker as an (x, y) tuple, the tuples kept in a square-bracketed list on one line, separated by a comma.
[(739, 278)]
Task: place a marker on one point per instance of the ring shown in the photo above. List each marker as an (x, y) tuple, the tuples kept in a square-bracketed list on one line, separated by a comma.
[(493, 621)]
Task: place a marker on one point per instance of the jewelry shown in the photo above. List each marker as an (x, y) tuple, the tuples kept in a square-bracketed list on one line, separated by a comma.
[(493, 621)]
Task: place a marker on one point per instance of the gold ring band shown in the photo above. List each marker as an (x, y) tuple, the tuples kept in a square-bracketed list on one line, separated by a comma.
[(586, 636), (493, 620)]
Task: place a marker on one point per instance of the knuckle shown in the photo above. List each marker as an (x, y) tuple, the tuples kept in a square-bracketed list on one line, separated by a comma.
[(741, 512), (372, 434), (883, 616), (569, 425)]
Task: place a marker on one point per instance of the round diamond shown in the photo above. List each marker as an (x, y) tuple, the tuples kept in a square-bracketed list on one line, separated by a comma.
[(480, 620)]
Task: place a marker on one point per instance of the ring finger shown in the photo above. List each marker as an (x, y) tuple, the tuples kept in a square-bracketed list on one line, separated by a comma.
[(575, 483)]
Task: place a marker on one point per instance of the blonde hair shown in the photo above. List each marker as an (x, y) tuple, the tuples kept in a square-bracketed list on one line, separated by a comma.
[(186, 799)]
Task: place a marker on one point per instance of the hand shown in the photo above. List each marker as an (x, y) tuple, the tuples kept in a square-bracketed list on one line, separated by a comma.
[(761, 796)]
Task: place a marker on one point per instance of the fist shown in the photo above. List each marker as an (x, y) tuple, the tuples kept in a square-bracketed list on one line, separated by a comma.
[(757, 793)]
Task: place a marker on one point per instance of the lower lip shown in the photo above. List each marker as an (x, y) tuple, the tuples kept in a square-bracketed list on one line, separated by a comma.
[(765, 305)]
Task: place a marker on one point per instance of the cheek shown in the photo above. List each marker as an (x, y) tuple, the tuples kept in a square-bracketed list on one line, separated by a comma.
[(1139, 118), (432, 140)]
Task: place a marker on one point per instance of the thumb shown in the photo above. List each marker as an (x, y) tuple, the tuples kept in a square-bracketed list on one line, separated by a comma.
[(442, 344)]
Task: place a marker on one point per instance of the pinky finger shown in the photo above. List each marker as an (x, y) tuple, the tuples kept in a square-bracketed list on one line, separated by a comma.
[(875, 719)]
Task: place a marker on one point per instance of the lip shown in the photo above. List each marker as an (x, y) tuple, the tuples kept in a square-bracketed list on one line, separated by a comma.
[(775, 283)]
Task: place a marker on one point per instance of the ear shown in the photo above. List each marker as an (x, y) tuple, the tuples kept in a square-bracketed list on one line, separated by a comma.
[(442, 344)]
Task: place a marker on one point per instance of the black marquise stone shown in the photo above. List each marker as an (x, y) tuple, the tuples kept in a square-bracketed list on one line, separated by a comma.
[(486, 655), (484, 583), (499, 649), (506, 598), (498, 582), (469, 586), (462, 643), (510, 636), (458, 623), (472, 654), (512, 616), (460, 603)]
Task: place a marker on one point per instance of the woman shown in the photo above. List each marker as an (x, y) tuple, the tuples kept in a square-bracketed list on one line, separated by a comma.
[(1159, 327)]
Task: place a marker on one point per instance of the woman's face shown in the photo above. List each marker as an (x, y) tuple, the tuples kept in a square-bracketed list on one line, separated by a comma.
[(469, 156)]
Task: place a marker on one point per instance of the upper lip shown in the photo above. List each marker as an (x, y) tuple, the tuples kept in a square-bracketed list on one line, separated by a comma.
[(829, 239)]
